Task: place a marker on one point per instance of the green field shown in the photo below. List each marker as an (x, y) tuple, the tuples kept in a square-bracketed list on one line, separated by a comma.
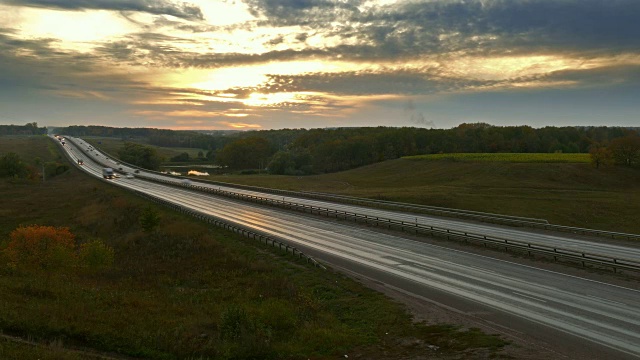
[(506, 157), (187, 290), (573, 194)]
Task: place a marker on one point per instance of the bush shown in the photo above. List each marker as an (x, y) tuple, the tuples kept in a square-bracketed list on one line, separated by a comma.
[(149, 219), (12, 166), (96, 256), (38, 247)]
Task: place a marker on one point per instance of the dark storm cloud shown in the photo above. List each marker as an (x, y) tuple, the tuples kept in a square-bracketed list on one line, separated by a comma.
[(302, 12), (411, 28), (361, 83), (142, 49), (37, 65), (157, 7), (603, 76)]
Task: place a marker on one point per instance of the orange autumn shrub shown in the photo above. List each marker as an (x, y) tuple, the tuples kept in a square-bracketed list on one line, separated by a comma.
[(37, 247)]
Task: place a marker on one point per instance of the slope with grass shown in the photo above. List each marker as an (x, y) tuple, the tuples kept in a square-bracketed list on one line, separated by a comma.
[(186, 290), (566, 193)]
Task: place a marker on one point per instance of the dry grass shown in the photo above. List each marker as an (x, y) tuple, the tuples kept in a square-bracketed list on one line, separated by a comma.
[(506, 157), (573, 194), (189, 291)]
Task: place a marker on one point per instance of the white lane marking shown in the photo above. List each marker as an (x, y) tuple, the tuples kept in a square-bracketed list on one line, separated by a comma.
[(606, 300), (529, 297)]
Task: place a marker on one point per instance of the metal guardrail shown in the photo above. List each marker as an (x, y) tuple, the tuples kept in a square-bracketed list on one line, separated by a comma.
[(530, 248), (211, 219), (468, 214), (494, 218), (251, 234), (435, 210)]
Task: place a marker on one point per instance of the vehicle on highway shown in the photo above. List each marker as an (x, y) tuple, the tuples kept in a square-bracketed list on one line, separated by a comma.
[(108, 173), (137, 171), (130, 176), (80, 162)]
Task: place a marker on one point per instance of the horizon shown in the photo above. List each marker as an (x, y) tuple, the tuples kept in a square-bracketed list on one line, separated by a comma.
[(265, 65)]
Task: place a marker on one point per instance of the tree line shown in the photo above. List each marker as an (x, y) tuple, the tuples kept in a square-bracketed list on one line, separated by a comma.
[(302, 151), (27, 129)]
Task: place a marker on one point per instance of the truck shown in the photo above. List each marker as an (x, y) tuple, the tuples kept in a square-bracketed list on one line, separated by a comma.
[(108, 173)]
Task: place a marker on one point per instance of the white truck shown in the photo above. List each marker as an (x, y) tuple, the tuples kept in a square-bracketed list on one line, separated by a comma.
[(108, 173)]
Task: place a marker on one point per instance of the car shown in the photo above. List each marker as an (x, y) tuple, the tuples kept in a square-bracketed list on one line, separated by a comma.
[(130, 176), (120, 168), (137, 171)]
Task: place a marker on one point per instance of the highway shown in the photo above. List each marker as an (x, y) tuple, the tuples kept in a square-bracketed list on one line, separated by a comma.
[(551, 239), (581, 317)]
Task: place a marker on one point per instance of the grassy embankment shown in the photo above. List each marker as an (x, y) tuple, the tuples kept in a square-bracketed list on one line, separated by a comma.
[(187, 290), (562, 188)]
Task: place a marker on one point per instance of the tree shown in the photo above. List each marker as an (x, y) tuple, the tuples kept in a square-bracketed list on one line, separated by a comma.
[(248, 153), (600, 155), (626, 150), (281, 163), (12, 166), (140, 155), (181, 158), (38, 247)]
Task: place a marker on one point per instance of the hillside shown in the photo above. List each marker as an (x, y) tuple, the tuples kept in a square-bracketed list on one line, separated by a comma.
[(574, 194)]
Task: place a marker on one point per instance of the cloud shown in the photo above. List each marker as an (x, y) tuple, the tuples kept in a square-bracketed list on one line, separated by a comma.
[(237, 125), (413, 28), (157, 7)]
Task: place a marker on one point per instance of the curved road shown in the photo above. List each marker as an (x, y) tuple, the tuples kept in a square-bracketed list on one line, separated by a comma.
[(582, 318), (559, 240)]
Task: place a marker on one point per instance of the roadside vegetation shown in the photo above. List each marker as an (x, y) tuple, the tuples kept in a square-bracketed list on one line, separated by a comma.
[(317, 151), (572, 193), (105, 272)]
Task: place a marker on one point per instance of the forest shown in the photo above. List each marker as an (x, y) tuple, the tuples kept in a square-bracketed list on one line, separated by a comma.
[(302, 151)]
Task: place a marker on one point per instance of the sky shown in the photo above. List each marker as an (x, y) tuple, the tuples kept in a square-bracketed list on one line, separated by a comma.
[(272, 64)]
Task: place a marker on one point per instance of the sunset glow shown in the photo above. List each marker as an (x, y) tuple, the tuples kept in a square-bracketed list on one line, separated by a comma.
[(314, 64)]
